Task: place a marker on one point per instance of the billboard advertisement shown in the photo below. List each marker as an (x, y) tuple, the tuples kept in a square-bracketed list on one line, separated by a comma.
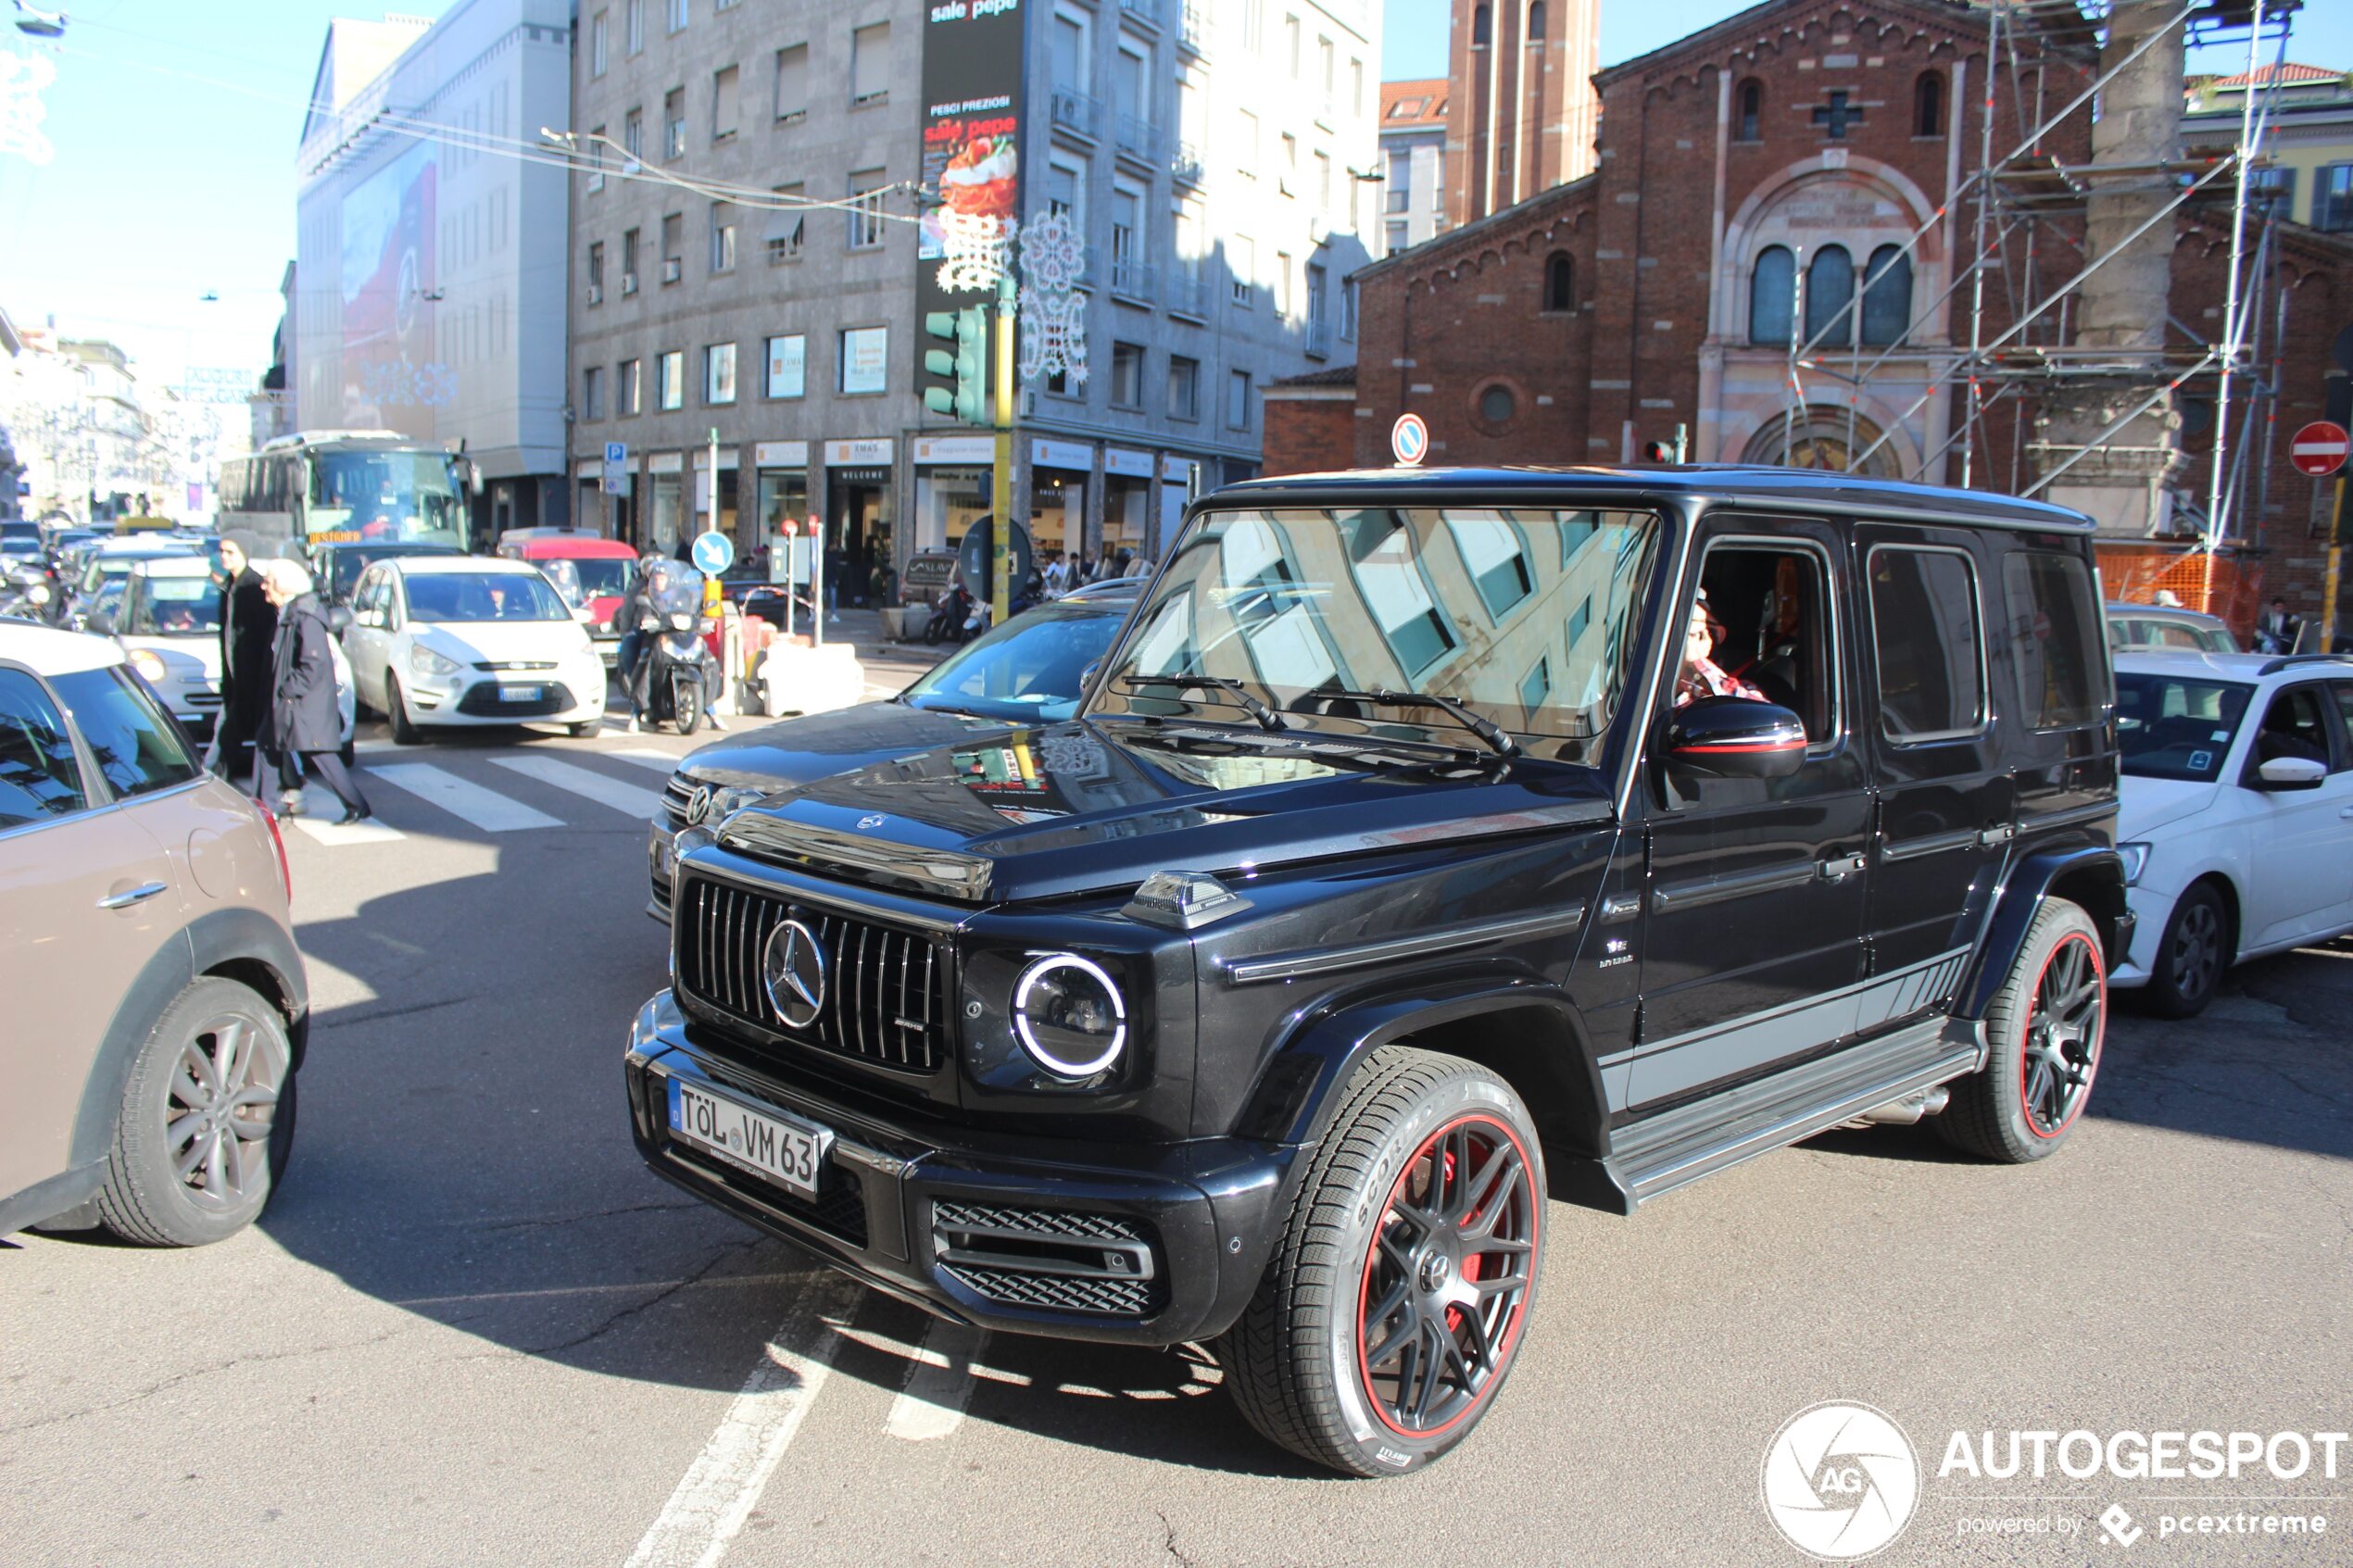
[(393, 378), (972, 124)]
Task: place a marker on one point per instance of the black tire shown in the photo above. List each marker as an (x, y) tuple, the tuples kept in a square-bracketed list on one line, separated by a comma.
[(2047, 1023), (146, 1199), (685, 705), (1296, 1360), (404, 733), (586, 728), (2192, 954), (934, 629)]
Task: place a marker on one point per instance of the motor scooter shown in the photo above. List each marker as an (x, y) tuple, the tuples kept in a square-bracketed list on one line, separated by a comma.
[(671, 683), (951, 616)]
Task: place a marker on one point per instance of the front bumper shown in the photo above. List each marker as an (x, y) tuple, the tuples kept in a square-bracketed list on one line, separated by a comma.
[(1146, 1244), (2147, 910)]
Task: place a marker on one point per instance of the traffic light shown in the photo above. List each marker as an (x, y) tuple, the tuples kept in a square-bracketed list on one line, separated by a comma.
[(966, 367), (1658, 451)]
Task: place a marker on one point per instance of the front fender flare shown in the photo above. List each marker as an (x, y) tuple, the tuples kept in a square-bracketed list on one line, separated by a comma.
[(2095, 869)]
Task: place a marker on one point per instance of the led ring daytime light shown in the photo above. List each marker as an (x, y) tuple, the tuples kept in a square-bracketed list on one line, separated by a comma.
[(1030, 981)]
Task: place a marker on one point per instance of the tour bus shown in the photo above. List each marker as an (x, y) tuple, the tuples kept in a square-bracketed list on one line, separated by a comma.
[(338, 487)]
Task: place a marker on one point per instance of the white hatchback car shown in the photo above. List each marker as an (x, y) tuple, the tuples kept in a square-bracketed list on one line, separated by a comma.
[(2236, 812), (169, 624), (469, 640)]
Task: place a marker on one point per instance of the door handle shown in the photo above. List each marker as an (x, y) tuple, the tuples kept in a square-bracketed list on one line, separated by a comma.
[(2000, 832), (128, 896), (1839, 868)]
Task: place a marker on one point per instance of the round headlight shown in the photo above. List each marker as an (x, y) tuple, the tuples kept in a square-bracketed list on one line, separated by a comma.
[(148, 664), (1070, 1016)]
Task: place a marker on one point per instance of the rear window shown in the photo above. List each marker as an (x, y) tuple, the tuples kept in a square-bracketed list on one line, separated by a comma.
[(2055, 636), (139, 749), (175, 607)]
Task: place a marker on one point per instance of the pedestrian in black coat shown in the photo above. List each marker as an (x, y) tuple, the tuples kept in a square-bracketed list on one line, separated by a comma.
[(248, 630), (303, 719)]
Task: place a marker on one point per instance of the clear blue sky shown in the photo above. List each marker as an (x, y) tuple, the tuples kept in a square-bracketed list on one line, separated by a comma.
[(175, 123)]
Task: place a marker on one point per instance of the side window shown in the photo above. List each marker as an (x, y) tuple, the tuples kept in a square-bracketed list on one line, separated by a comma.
[(1767, 633), (2344, 690), (39, 778), (2295, 726), (2052, 624), (1926, 643), (138, 748)]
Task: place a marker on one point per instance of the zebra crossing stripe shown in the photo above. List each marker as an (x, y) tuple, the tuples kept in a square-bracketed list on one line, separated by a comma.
[(469, 802), (643, 804), (333, 834)]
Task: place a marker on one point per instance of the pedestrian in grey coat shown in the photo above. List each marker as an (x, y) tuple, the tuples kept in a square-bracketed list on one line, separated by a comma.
[(302, 721)]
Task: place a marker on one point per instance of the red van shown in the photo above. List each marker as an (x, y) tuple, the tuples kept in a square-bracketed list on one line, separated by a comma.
[(600, 574)]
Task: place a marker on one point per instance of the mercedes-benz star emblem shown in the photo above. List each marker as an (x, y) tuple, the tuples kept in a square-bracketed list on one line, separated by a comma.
[(697, 804), (793, 969), (870, 820)]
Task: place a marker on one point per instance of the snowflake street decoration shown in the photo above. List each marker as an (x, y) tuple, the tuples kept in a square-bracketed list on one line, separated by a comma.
[(979, 251), (23, 78), (1053, 317)]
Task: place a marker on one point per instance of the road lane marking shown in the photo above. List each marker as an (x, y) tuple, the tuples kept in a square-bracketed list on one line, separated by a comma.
[(333, 834), (721, 1488), (470, 802), (932, 1404), (586, 782)]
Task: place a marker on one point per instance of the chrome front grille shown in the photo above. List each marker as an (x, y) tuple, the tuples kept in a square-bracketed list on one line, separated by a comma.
[(881, 994), (675, 796)]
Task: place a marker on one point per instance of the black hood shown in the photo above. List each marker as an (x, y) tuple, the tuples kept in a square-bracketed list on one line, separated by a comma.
[(1024, 813), (799, 751)]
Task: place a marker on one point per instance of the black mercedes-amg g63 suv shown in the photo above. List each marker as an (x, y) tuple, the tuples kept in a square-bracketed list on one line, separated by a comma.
[(1430, 846)]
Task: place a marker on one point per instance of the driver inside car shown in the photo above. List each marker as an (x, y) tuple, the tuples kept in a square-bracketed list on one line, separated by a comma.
[(1701, 676)]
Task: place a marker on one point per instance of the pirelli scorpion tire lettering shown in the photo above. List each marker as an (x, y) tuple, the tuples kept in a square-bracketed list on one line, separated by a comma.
[(1396, 1299)]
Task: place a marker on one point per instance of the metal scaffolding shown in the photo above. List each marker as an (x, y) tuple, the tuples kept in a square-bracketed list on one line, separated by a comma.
[(2014, 348)]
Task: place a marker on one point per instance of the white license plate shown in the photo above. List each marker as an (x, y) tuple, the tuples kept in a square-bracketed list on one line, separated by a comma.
[(784, 1149), (519, 693)]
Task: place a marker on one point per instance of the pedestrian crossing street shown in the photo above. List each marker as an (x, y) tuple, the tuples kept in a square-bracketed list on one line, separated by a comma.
[(511, 790)]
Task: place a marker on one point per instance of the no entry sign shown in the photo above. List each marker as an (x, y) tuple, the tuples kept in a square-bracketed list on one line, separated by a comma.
[(2319, 449)]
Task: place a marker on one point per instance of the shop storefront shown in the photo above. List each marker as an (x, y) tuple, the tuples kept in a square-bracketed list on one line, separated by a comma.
[(953, 474), (1058, 479), (781, 476), (859, 514), (665, 502), (1128, 497)]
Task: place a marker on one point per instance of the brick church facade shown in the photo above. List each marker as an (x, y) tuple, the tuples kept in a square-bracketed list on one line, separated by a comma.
[(1662, 292)]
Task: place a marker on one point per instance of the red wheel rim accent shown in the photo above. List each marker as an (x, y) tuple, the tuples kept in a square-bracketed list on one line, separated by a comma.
[(2059, 1042), (1447, 1270)]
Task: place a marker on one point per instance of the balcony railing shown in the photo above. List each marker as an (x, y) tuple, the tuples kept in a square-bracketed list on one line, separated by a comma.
[(1188, 293), (1130, 278), (1137, 138), (1151, 13), (1192, 25), (1184, 163), (1073, 110)]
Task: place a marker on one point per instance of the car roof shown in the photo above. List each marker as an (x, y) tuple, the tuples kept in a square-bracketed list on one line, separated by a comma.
[(1728, 483), (47, 651), (420, 566), (573, 549), (144, 545), (2165, 613), (172, 566), (2231, 666)]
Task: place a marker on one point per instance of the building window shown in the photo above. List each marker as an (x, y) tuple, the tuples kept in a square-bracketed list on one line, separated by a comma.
[(1238, 400), (722, 236), (1283, 303), (1380, 556), (592, 393), (1289, 180), (1318, 286), (669, 380), (674, 235), (1348, 308), (787, 357), (596, 271), (1395, 240), (1772, 295), (1126, 375), (722, 103), (596, 160), (1495, 553), (1560, 283), (635, 26), (1246, 123), (1066, 52), (1398, 187), (633, 135), (2272, 191), (864, 359), (1355, 86), (677, 15), (866, 189), (1928, 105), (1482, 26), (1536, 21), (788, 230), (1328, 69), (1887, 297), (674, 123), (2333, 199), (792, 84), (629, 261), (1495, 407), (1747, 124), (597, 43), (719, 373), (1323, 180), (1829, 297), (1290, 44), (1184, 387), (630, 388), (1243, 261), (870, 65)]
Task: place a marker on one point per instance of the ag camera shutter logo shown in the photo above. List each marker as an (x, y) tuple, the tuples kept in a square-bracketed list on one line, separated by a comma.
[(1840, 1481)]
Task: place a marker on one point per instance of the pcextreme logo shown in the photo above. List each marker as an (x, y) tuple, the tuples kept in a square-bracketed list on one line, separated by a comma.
[(1840, 1481)]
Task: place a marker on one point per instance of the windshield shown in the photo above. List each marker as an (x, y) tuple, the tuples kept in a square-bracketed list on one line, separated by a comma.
[(2172, 727), (175, 607), (1521, 615), (346, 564), (610, 577), (398, 498), (484, 596), (1029, 667)]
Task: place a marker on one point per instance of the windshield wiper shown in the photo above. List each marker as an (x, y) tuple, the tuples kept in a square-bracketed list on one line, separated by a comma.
[(1267, 718), (1484, 728)]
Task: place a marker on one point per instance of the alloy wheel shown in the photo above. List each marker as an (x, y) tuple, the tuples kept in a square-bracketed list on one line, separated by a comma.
[(2196, 954), (2063, 1037), (223, 1102), (1446, 1276)]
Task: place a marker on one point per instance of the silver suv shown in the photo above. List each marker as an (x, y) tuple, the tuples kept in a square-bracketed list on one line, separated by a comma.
[(156, 999)]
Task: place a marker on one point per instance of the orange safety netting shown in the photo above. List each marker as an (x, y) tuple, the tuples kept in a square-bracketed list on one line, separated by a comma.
[(2227, 585)]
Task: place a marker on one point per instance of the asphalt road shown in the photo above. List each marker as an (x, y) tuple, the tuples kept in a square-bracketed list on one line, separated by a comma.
[(473, 1329)]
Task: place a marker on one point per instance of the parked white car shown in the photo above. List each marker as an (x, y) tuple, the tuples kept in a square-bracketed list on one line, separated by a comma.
[(169, 625), (466, 641), (2236, 812)]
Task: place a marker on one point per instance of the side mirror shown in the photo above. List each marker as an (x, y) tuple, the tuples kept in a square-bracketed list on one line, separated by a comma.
[(1087, 677), (1726, 737), (2293, 772), (339, 619), (99, 623)]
